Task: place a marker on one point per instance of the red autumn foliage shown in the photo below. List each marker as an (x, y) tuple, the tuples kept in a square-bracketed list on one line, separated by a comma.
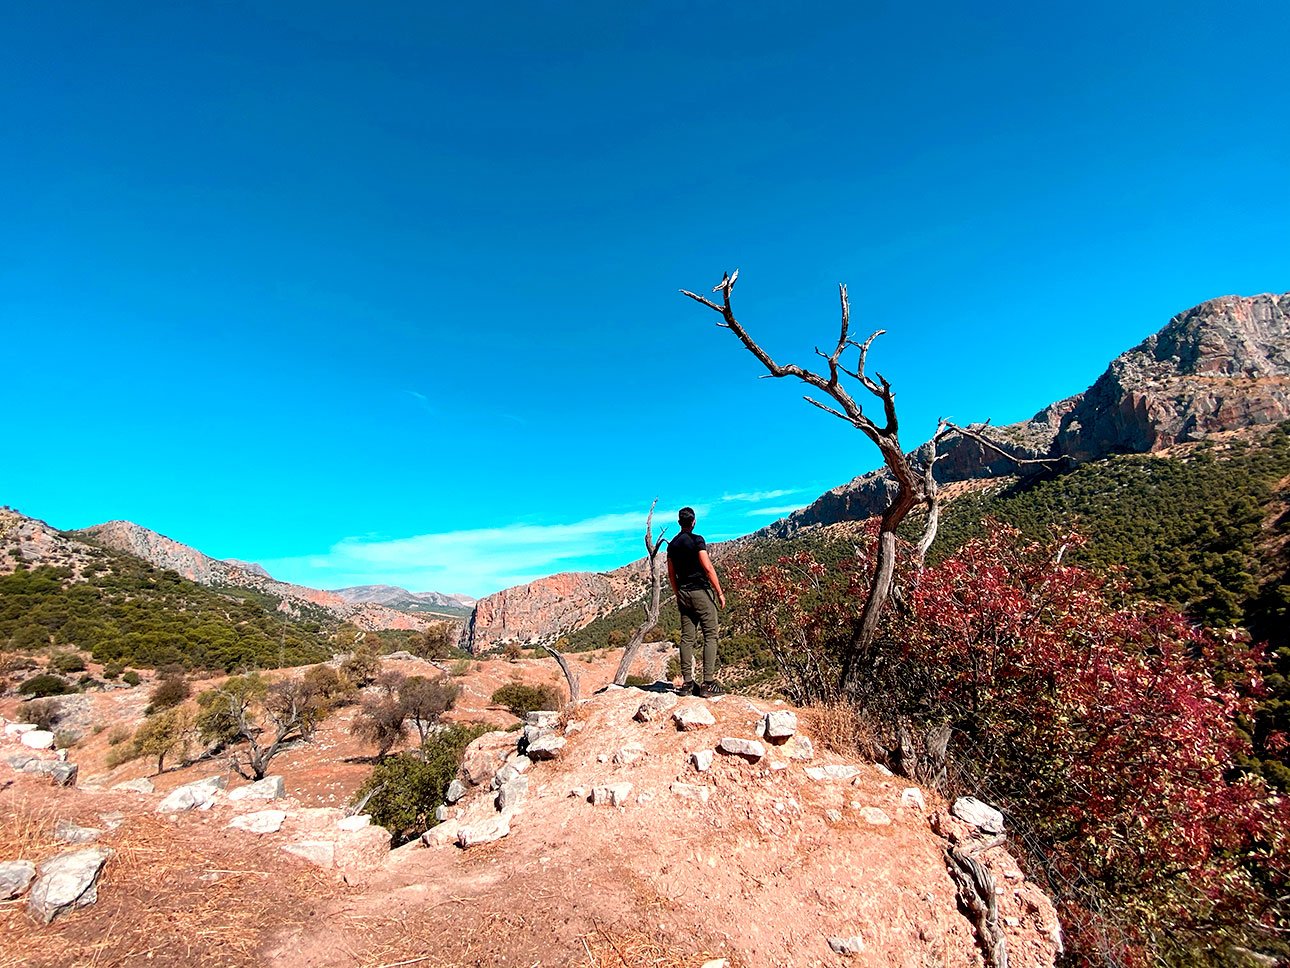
[(1103, 727)]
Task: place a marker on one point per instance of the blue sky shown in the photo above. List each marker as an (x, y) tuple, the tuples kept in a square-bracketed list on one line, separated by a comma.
[(390, 294)]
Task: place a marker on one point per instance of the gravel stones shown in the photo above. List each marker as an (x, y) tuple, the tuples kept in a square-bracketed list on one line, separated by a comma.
[(837, 771), (66, 881), (198, 794), (693, 716), (260, 822), (973, 811), (270, 788), (15, 876), (749, 749), (779, 726), (701, 760), (546, 748), (653, 708), (614, 794)]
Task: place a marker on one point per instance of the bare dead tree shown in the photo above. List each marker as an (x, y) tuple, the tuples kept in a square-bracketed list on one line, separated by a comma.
[(573, 679), (652, 609), (912, 484)]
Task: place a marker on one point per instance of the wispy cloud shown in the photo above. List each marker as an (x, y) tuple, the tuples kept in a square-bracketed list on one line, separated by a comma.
[(759, 495), (767, 512)]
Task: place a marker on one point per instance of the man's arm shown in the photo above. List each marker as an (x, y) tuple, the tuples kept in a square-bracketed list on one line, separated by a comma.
[(671, 576), (711, 572)]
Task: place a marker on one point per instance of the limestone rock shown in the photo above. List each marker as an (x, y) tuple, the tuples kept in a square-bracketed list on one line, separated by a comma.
[(629, 754), (653, 708), (913, 797), (38, 739), (749, 749), (532, 734), (691, 791), (613, 794), (484, 831), (973, 811), (693, 716), (546, 748), (66, 881), (196, 795), (270, 788), (520, 763), (800, 748), (72, 833), (361, 851), (260, 822), (64, 774), (512, 793), (440, 835), (15, 876), (701, 760), (17, 729), (319, 852), (456, 790), (779, 725), (141, 785), (357, 822), (853, 945), (18, 760), (541, 717), (836, 771), (875, 816)]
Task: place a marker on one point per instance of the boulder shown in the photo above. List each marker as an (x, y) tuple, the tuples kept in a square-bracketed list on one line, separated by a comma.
[(362, 851), (316, 823), (17, 729), (629, 754), (800, 748), (836, 771), (749, 749), (18, 760), (196, 795), (973, 811), (520, 763), (541, 717), (779, 726), (614, 794), (72, 833), (38, 739), (456, 790), (270, 788), (260, 822), (357, 822), (701, 760), (320, 852), (63, 774), (67, 881), (691, 791), (141, 785), (440, 835), (15, 876), (532, 734), (441, 813), (913, 797), (851, 946), (693, 716), (546, 748), (512, 793), (654, 707), (484, 831)]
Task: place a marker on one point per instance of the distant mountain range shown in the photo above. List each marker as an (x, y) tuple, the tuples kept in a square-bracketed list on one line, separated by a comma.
[(1220, 367), (396, 597)]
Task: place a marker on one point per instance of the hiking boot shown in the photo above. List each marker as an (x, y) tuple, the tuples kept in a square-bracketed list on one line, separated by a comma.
[(709, 689), (690, 688)]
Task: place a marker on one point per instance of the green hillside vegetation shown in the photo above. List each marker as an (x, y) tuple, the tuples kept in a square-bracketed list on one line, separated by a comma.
[(128, 612)]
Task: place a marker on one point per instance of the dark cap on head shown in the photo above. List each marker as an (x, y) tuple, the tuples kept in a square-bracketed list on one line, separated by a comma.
[(685, 517)]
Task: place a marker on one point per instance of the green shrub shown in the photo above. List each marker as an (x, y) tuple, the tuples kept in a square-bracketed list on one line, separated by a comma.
[(520, 698), (460, 667), (120, 753), (67, 662), (41, 713), (65, 739), (168, 694), (410, 786), (45, 684), (113, 670), (131, 678), (639, 681)]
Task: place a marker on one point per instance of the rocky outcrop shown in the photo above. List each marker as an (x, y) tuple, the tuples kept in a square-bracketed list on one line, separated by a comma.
[(395, 597), (549, 607), (1223, 365)]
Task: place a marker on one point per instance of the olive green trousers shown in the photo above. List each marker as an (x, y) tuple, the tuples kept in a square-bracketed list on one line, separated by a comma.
[(698, 611)]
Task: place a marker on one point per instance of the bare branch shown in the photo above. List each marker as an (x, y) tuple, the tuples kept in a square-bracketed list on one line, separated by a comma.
[(986, 442), (816, 403)]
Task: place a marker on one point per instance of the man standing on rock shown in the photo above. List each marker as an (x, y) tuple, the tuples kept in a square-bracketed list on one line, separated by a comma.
[(694, 581)]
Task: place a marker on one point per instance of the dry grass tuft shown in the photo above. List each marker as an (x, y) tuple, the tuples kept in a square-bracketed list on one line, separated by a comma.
[(27, 832), (605, 948), (840, 727)]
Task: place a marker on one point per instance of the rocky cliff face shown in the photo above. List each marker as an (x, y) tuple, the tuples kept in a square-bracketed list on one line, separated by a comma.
[(163, 552), (544, 609), (1223, 365), (396, 597)]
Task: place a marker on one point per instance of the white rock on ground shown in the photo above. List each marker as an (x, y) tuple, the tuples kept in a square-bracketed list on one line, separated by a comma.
[(613, 794), (875, 816), (198, 794), (701, 760), (691, 791), (748, 748), (541, 717), (693, 716), (15, 876), (441, 834), (72, 833), (141, 785), (654, 707), (833, 816), (260, 822), (512, 793), (546, 748), (38, 739), (441, 813), (320, 852), (913, 797), (484, 831), (17, 729), (359, 852), (973, 811), (800, 748), (520, 763), (270, 788), (66, 881), (456, 790), (629, 754), (354, 823), (779, 725), (853, 945), (833, 772), (18, 760)]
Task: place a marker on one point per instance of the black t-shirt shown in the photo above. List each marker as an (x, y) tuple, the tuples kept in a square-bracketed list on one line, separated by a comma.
[(683, 553)]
